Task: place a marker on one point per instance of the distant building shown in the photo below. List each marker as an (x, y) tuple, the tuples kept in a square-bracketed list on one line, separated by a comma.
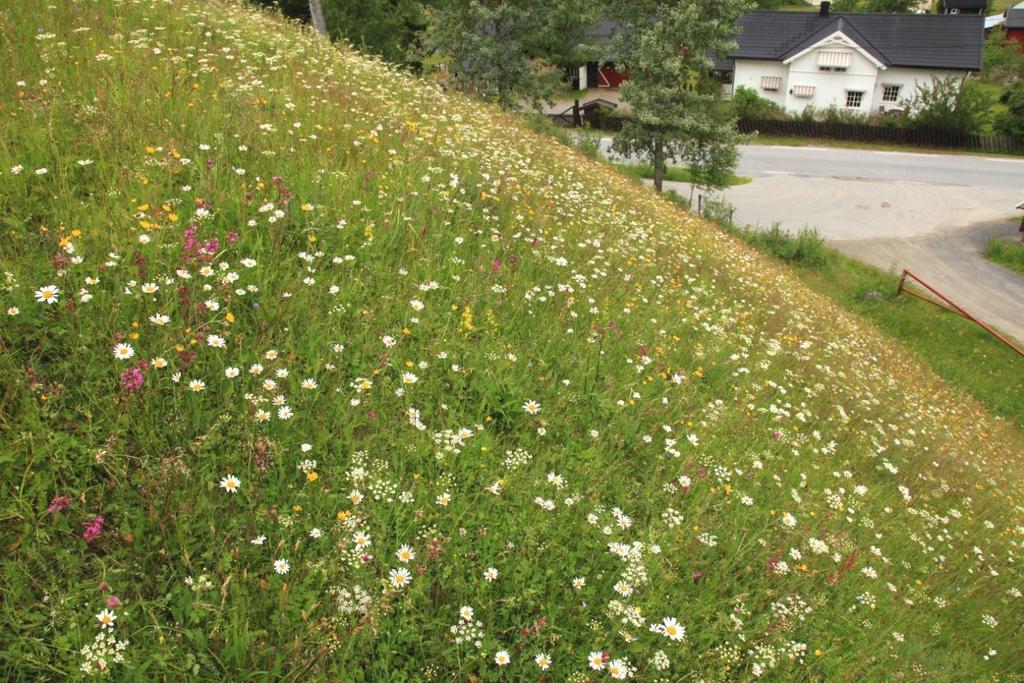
[(964, 6), (1015, 23), (855, 61), (859, 62)]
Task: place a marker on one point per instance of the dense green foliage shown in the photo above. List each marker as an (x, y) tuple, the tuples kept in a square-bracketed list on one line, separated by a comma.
[(311, 371), (950, 104), (1011, 121), (1002, 59), (885, 6), (748, 104), (389, 28), (508, 52)]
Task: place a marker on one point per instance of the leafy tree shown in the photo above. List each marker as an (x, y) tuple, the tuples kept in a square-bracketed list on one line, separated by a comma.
[(507, 51), (1002, 59), (884, 6), (388, 28), (1011, 121), (889, 6), (947, 105), (665, 48), (296, 9)]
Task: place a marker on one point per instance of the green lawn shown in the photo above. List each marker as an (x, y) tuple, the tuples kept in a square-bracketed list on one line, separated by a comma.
[(672, 173), (1006, 253), (958, 350)]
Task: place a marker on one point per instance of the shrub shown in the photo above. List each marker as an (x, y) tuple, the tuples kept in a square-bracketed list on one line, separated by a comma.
[(590, 145), (747, 104), (947, 105), (835, 114), (806, 248), (1011, 121)]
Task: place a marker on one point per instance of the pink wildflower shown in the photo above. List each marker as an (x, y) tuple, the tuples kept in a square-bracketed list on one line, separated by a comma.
[(58, 503), (132, 380), (93, 528)]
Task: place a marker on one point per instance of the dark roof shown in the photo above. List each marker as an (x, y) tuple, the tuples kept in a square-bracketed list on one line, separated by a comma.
[(938, 41), (1015, 16)]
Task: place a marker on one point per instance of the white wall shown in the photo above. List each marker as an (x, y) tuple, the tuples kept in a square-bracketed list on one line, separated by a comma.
[(830, 86), (748, 73)]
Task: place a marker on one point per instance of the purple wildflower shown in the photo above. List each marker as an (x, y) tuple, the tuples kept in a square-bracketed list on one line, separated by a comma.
[(132, 380), (93, 528)]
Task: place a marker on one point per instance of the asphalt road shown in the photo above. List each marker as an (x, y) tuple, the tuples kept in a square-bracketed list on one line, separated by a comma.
[(931, 213), (935, 169)]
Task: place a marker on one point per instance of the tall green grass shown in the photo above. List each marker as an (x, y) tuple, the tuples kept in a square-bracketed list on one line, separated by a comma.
[(311, 371), (1006, 253)]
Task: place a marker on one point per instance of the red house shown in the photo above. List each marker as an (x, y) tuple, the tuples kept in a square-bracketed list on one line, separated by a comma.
[(1015, 23)]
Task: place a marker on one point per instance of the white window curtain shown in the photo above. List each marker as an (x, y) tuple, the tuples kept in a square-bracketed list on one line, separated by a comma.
[(771, 82), (803, 91)]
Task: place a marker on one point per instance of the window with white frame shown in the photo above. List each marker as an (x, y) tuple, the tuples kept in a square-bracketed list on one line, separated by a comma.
[(854, 98), (771, 83), (891, 93)]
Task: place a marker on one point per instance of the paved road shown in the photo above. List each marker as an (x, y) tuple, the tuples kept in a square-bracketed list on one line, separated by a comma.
[(931, 213), (937, 169)]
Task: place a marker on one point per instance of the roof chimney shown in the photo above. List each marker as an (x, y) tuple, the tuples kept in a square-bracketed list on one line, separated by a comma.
[(823, 9)]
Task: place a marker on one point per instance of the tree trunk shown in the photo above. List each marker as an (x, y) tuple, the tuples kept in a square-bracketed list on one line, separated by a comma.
[(659, 165), (316, 13)]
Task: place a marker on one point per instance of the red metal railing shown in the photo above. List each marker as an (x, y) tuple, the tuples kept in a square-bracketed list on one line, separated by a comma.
[(950, 306)]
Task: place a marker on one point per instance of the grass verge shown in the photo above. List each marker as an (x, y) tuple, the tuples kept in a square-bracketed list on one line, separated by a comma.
[(1006, 253), (672, 173), (959, 351)]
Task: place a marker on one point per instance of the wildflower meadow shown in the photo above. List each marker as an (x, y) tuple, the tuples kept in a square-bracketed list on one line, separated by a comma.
[(312, 371)]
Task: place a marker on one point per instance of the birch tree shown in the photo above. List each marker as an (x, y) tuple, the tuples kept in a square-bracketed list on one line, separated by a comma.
[(316, 14)]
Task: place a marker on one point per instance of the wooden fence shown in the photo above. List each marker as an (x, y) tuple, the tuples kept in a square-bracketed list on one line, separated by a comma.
[(853, 132), (862, 132), (595, 121)]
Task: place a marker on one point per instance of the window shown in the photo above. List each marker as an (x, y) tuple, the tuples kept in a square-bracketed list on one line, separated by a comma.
[(772, 83), (890, 93), (803, 91), (854, 98)]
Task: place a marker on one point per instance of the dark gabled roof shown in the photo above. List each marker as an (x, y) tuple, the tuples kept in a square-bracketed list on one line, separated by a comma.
[(1015, 16), (843, 26), (938, 41)]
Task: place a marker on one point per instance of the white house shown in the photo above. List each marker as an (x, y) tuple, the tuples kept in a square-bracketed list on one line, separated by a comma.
[(858, 61)]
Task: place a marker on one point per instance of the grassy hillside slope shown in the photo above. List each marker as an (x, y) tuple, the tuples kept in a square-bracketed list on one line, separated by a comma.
[(310, 371)]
